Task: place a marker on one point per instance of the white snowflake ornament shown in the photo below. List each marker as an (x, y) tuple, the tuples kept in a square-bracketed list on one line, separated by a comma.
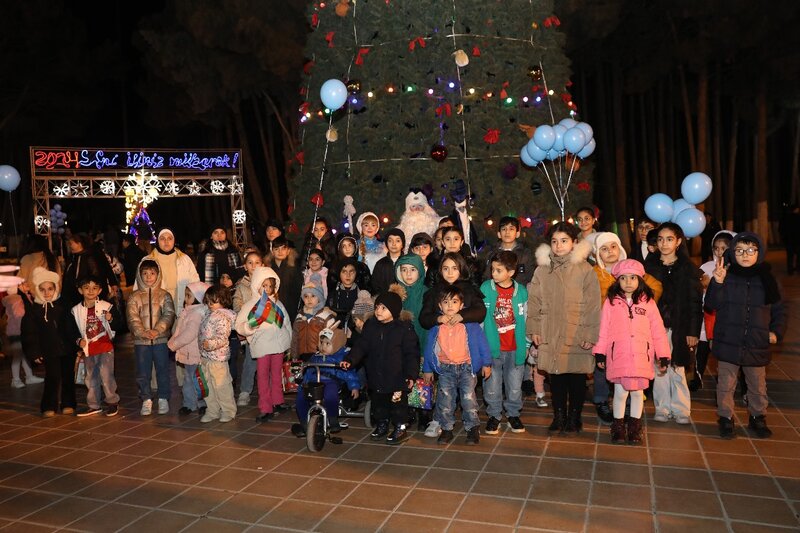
[(239, 216)]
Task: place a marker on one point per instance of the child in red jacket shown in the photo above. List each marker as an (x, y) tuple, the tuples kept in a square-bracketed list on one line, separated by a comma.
[(632, 336)]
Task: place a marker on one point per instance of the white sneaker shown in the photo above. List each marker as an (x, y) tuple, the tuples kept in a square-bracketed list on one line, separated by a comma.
[(147, 408), (683, 420), (433, 430), (17, 384), (163, 406), (541, 402), (226, 418), (661, 417), (33, 380), (244, 399)]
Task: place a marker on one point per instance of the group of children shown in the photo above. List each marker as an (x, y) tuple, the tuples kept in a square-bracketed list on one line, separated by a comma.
[(439, 320)]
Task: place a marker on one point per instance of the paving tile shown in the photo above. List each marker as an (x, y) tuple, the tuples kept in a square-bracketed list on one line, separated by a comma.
[(566, 468), (204, 524), (747, 484), (231, 479), (687, 502), (682, 478), (113, 464), (197, 501), (108, 518), (791, 487), (621, 454), (296, 515), (34, 477), (260, 460), (303, 465), (414, 456), (404, 523), (63, 512), (635, 497), (149, 468), (274, 484), (160, 521), (151, 494), (349, 470), (432, 503), (404, 476), (502, 511), (746, 527), (111, 488), (376, 497), (353, 520), (610, 521), (553, 516), (668, 523), (452, 480), (473, 527), (527, 447), (560, 490), (725, 462), (622, 473), (188, 474), (71, 482), (462, 460), (680, 458), (26, 503), (783, 467), (376, 453), (506, 485), (510, 464), (763, 510), (244, 508)]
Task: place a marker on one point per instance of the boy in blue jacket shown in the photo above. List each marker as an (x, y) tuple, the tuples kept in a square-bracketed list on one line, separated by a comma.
[(506, 310), (456, 351), (750, 316)]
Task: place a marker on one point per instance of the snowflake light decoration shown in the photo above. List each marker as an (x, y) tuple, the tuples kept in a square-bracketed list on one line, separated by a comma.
[(172, 188), (40, 221), (239, 217), (108, 187), (236, 187), (145, 186), (194, 188), (80, 189), (62, 191), (217, 187)]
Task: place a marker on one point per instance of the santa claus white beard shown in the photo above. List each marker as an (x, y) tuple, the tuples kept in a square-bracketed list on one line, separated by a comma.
[(413, 222)]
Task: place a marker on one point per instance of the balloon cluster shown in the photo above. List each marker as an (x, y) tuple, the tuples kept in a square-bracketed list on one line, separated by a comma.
[(695, 188), (551, 142), (57, 219), (9, 178), (569, 140)]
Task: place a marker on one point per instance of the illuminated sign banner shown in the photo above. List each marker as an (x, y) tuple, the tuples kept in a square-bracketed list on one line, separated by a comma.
[(89, 159)]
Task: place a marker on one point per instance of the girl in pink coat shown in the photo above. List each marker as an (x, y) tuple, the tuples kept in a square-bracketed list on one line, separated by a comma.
[(632, 339)]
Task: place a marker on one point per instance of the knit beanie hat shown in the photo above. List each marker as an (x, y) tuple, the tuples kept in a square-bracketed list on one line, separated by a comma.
[(316, 290), (392, 302), (628, 266), (603, 238), (363, 305)]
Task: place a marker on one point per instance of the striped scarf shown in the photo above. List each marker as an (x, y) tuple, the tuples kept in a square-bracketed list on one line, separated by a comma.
[(265, 311)]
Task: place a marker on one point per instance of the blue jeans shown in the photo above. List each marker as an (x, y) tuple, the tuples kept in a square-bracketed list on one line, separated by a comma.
[(190, 400), (100, 372), (248, 371), (505, 372), (601, 388), (456, 381), (148, 355)]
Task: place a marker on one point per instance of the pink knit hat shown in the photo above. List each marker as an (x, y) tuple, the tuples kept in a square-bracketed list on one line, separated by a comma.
[(627, 266)]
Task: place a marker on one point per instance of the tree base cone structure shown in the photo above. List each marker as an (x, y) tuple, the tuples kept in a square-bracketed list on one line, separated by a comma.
[(470, 79)]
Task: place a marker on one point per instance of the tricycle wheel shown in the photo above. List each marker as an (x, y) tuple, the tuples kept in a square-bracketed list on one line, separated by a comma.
[(315, 432)]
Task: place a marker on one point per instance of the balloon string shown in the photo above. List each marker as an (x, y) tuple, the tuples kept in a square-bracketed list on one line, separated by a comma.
[(463, 124), (547, 94), (13, 220), (319, 191), (543, 169)]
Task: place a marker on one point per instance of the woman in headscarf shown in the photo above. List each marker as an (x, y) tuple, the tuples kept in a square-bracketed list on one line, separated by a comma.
[(177, 269)]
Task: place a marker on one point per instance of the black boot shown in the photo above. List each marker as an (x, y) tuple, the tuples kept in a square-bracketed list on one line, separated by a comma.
[(559, 421), (618, 431), (726, 428), (574, 422), (423, 419), (380, 431), (399, 435), (604, 413), (759, 426), (635, 435)]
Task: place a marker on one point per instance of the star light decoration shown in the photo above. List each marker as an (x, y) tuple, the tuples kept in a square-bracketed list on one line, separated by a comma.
[(236, 186), (239, 217), (108, 187), (62, 191), (217, 187), (194, 188), (80, 189), (141, 190)]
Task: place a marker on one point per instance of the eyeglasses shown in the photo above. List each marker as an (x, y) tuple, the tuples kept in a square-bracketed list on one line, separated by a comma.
[(749, 251)]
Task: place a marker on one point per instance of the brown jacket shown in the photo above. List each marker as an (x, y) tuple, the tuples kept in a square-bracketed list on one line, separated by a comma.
[(564, 309)]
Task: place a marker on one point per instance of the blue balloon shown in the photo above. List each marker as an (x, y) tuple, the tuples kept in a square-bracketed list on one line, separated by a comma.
[(678, 206), (696, 187), (574, 140), (586, 129), (333, 94), (544, 137), (9, 178), (534, 151), (57, 207), (692, 221), (658, 208), (568, 123), (587, 150), (527, 159), (553, 154), (559, 130)]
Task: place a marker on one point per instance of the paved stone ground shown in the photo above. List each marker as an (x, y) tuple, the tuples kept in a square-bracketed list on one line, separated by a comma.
[(167, 473)]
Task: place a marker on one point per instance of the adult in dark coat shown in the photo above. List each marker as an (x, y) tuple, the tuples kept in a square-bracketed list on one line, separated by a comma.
[(285, 262), (130, 255), (790, 233), (219, 257), (86, 260)]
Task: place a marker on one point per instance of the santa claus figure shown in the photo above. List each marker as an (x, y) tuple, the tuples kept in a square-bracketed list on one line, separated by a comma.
[(419, 216)]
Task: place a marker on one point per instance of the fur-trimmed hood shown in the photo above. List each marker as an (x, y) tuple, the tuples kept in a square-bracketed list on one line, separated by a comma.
[(581, 252)]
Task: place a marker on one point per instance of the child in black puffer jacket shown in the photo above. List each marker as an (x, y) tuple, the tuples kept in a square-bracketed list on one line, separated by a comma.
[(750, 316)]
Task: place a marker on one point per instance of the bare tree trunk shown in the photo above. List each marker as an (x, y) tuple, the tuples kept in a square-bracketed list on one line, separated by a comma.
[(644, 150), (687, 115), (794, 197), (250, 176), (761, 188), (660, 125), (716, 146), (730, 181), (621, 214), (269, 159), (703, 160)]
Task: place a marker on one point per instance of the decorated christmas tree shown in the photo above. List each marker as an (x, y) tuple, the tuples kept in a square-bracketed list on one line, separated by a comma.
[(441, 96)]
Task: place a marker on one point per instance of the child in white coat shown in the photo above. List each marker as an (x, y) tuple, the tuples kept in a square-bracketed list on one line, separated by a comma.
[(184, 343)]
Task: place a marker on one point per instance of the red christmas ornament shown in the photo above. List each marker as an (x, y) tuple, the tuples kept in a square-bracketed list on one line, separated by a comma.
[(360, 55), (444, 109), (439, 152), (290, 208), (584, 186), (301, 158), (314, 20), (317, 200), (476, 52), (525, 222), (329, 38), (414, 42), (492, 136), (293, 228), (503, 92)]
